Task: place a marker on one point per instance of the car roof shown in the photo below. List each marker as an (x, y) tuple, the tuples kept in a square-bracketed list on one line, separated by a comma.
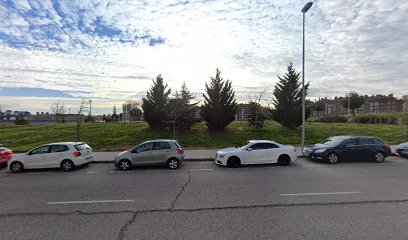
[(64, 143), (262, 141), (348, 136), (161, 140)]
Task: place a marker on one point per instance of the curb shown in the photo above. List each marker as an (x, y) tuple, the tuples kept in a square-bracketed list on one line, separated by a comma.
[(185, 160)]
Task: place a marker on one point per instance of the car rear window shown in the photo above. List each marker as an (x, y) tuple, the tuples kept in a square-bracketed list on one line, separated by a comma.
[(178, 144), (82, 146), (377, 141)]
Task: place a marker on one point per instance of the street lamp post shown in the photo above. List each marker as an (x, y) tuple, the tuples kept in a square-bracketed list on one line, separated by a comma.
[(304, 10), (90, 110)]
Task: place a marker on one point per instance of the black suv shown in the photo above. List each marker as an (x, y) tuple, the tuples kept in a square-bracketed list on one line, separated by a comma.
[(349, 148)]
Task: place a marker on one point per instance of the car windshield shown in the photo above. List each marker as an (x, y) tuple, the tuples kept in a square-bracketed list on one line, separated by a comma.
[(243, 144), (333, 141)]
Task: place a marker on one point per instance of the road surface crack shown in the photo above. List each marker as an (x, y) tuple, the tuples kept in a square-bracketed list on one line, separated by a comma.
[(125, 227), (181, 191)]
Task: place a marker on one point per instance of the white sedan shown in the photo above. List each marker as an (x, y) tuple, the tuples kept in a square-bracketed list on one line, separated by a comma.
[(256, 152), (65, 155)]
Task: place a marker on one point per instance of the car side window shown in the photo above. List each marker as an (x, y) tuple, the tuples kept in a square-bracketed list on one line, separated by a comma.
[(145, 147), (366, 141), (256, 146), (270, 145), (40, 150), (58, 148), (161, 145), (351, 142)]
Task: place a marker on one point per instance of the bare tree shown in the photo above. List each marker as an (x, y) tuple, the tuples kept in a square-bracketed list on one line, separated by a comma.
[(256, 113), (134, 113), (79, 120), (58, 109)]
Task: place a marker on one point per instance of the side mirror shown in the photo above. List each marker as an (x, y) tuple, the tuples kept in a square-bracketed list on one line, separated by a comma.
[(134, 151), (249, 149)]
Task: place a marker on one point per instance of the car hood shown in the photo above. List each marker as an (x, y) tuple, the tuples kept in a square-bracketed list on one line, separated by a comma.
[(403, 146), (18, 156), (122, 153), (319, 146), (228, 150)]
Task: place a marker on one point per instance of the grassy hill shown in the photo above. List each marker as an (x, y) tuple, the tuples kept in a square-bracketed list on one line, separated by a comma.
[(118, 136)]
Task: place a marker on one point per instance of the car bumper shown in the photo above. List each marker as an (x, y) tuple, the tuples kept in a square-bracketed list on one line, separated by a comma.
[(220, 161), (318, 156), (402, 152), (84, 160), (3, 161)]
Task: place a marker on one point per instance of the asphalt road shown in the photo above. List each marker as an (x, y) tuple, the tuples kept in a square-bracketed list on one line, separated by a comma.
[(306, 200)]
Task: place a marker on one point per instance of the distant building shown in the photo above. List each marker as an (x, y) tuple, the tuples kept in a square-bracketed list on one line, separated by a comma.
[(372, 104), (242, 112), (405, 103)]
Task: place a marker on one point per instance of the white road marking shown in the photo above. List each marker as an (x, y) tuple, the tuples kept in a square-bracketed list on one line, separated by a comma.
[(91, 172), (38, 173), (314, 194), (202, 169), (88, 202)]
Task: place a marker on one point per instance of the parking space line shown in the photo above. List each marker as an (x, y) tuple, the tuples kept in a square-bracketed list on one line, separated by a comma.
[(315, 194), (202, 169), (91, 172), (89, 202)]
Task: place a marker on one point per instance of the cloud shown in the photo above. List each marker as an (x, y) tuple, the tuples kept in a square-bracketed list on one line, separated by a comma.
[(112, 49)]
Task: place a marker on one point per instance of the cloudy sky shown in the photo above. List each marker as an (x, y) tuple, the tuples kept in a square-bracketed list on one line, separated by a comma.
[(109, 50)]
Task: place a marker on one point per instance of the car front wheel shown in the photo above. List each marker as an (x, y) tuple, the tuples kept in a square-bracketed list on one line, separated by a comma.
[(16, 167), (332, 158), (124, 165)]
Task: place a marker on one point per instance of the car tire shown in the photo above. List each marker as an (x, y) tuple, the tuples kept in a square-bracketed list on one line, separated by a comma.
[(173, 163), (124, 165), (379, 157), (283, 160), (67, 165), (233, 162), (332, 158), (16, 167)]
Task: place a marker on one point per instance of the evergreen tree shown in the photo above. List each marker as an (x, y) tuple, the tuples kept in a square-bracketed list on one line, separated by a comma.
[(288, 99), (182, 111), (155, 104), (219, 106), (356, 101)]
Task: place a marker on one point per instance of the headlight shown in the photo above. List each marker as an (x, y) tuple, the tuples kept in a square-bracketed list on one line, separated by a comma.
[(221, 155), (320, 150)]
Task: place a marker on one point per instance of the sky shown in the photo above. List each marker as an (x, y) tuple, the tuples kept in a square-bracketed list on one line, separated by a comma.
[(108, 51)]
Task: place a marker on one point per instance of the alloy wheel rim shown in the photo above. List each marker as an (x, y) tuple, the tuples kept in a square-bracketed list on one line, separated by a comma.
[(124, 165), (173, 164), (66, 166), (333, 158), (16, 167), (379, 157)]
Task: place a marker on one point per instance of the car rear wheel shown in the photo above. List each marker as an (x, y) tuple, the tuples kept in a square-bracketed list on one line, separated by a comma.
[(67, 165), (283, 160), (124, 165), (16, 167), (233, 162), (379, 157), (173, 163), (332, 158)]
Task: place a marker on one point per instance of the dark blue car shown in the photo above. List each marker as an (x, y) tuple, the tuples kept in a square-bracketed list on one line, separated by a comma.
[(349, 148), (402, 150)]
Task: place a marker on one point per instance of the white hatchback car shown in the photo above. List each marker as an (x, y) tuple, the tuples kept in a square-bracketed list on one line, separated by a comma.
[(64, 155), (256, 152)]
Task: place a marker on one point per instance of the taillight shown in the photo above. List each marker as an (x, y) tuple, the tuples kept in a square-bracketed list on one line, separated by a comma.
[(180, 151), (386, 145), (77, 154)]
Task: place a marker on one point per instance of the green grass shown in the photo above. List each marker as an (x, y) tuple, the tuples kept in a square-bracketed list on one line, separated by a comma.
[(119, 136)]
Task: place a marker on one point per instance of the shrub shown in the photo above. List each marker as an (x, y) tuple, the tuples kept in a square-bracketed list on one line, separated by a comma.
[(332, 118), (376, 119), (21, 121)]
